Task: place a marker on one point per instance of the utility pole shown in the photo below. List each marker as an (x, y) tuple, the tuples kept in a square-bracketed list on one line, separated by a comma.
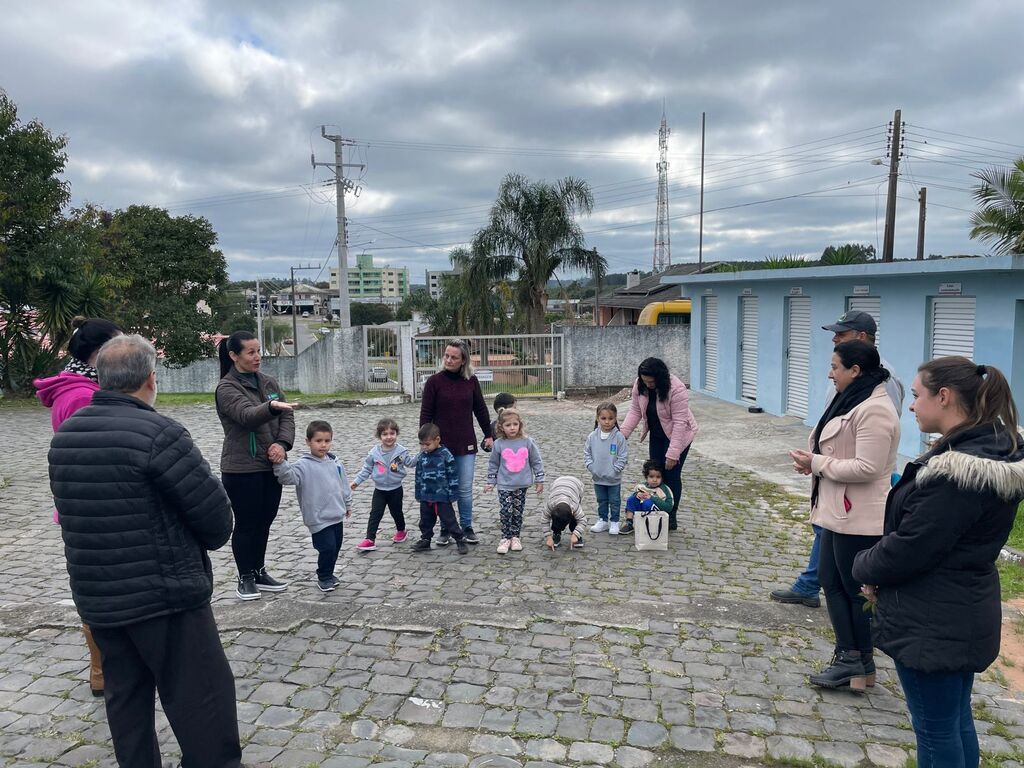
[(295, 314), (922, 198), (259, 316), (700, 237), (341, 185), (895, 152)]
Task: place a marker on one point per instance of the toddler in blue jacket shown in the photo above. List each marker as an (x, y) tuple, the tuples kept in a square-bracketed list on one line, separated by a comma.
[(437, 486)]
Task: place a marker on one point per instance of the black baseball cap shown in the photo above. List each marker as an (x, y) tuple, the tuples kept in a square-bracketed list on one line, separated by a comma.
[(853, 321)]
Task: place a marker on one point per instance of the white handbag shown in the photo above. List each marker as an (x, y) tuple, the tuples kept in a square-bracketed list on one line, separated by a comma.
[(650, 530)]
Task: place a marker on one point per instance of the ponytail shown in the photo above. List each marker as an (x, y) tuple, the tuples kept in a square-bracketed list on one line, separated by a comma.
[(232, 343), (982, 391)]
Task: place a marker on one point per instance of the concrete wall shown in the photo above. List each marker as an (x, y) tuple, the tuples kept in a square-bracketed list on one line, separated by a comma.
[(608, 356), (202, 376), (903, 332)]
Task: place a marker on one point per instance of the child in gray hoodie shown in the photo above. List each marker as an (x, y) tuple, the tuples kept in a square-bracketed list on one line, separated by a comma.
[(324, 498), (514, 466), (605, 454), (385, 463)]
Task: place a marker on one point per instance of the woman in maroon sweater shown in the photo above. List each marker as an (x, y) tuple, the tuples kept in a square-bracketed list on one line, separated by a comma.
[(451, 398)]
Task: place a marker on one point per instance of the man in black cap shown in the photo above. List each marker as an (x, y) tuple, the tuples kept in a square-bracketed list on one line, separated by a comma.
[(853, 325)]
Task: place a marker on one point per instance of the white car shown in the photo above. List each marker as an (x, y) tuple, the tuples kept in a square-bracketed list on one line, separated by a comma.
[(305, 314), (378, 374)]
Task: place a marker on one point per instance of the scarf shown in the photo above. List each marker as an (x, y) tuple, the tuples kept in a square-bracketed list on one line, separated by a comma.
[(857, 392), (77, 366)]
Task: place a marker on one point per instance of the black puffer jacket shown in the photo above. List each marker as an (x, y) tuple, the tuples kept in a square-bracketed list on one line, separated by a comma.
[(139, 508), (945, 522)]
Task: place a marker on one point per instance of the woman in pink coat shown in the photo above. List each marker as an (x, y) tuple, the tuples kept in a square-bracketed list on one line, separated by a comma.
[(64, 394), (666, 417), (850, 457)]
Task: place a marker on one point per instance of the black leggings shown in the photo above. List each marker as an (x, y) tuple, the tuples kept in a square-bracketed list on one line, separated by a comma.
[(671, 477), (255, 498), (393, 501), (852, 624)]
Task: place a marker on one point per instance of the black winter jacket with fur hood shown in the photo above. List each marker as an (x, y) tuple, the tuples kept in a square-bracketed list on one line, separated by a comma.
[(945, 521)]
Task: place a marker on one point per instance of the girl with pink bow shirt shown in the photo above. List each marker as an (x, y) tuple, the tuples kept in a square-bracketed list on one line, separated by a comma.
[(514, 466)]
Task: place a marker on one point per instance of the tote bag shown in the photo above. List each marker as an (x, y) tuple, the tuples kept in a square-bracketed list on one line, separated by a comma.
[(651, 530)]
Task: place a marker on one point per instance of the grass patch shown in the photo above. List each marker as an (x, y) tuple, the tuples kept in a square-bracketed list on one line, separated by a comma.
[(164, 399), (12, 403), (1016, 539), (1011, 579)]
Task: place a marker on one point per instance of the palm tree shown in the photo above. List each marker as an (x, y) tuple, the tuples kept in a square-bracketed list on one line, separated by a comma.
[(1001, 217), (531, 234)]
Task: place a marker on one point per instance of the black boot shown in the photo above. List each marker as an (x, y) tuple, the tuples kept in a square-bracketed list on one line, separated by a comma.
[(867, 658), (846, 669)]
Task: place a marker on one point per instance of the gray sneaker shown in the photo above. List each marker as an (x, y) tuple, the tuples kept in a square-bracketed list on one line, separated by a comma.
[(470, 536), (443, 540)]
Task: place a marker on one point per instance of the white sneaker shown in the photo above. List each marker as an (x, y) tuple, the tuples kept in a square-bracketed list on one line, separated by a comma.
[(613, 529), (517, 545), (600, 526), (503, 546)]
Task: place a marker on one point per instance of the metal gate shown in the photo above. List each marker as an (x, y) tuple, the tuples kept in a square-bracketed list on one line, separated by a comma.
[(748, 348), (710, 326), (523, 365), (381, 369), (798, 355)]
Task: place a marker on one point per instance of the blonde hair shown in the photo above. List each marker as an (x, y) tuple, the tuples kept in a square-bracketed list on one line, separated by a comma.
[(504, 415), (463, 346)]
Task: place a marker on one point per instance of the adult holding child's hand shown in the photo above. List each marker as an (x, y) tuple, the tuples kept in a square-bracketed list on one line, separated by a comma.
[(259, 429), (661, 402)]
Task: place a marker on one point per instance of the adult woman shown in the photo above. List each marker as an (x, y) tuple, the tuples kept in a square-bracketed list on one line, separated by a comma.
[(938, 611), (259, 429), (64, 394), (852, 451), (667, 419), (451, 398)]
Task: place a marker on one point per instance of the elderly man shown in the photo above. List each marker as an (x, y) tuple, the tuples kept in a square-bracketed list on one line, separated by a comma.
[(139, 508), (853, 325)]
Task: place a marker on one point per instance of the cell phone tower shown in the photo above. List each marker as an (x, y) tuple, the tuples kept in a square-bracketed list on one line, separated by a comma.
[(662, 234)]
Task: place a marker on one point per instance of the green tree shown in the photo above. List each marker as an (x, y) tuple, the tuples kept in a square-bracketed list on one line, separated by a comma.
[(1000, 219), (169, 273), (417, 300), (532, 233), (371, 314), (849, 253)]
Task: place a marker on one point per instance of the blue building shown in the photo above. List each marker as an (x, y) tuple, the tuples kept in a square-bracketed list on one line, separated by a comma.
[(757, 337)]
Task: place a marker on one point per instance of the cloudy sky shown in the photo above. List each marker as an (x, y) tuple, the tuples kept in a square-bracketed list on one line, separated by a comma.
[(213, 109)]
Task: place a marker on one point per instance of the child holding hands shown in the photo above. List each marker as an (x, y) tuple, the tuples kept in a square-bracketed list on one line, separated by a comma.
[(386, 464), (514, 466), (324, 498)]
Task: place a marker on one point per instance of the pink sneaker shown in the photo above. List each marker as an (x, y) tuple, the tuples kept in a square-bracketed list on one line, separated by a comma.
[(399, 537), (366, 545)]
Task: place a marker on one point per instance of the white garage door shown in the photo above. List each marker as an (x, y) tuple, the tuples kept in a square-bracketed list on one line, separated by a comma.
[(952, 326), (710, 325), (873, 306), (798, 355), (748, 348)]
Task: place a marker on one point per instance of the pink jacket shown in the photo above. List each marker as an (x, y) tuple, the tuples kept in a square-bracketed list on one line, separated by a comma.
[(674, 413), (64, 394), (858, 452)]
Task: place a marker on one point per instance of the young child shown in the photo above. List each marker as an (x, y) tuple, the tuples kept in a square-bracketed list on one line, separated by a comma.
[(502, 400), (605, 454), (651, 494), (515, 465), (324, 498), (386, 464), (437, 486), (564, 511)]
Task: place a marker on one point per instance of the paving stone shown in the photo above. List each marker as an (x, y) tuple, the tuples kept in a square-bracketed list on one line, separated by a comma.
[(572, 726), (502, 720), (297, 758), (397, 734), (545, 749), (273, 693), (536, 723), (644, 734), (693, 739), (362, 748), (278, 717), (839, 753), (463, 715), (751, 722), (791, 748), (743, 745), (391, 752), (345, 761), (259, 753), (635, 709), (498, 745), (365, 729), (885, 756), (313, 698), (590, 752), (628, 757), (608, 730), (390, 684), (501, 695), (383, 705), (446, 759), (495, 761)]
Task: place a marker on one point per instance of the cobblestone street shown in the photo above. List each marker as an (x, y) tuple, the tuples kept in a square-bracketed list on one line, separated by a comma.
[(600, 656)]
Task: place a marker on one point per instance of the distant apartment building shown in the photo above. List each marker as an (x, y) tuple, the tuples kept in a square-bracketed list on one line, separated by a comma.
[(367, 283), (308, 298), (435, 278)]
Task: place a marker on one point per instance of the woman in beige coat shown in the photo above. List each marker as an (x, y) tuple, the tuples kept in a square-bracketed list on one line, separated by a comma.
[(852, 451)]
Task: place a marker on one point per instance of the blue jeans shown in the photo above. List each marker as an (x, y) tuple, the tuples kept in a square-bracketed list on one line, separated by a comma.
[(609, 499), (465, 465), (940, 711), (807, 582)]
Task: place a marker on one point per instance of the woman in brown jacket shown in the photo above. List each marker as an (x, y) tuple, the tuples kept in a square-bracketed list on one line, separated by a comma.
[(852, 451), (259, 429)]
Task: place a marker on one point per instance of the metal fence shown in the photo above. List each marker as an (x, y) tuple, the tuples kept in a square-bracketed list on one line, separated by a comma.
[(381, 369), (522, 365)]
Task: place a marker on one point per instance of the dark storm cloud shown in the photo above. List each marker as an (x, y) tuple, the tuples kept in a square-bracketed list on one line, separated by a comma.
[(185, 107)]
